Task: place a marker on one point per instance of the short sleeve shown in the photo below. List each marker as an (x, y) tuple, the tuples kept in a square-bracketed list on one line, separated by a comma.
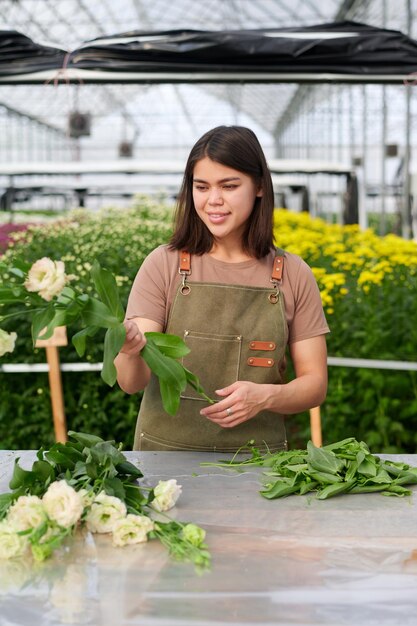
[(308, 319), (148, 296)]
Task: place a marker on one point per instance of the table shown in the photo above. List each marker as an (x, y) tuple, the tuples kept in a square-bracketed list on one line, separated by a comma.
[(350, 560)]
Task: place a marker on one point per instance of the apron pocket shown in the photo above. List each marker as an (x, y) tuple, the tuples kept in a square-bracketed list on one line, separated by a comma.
[(215, 359)]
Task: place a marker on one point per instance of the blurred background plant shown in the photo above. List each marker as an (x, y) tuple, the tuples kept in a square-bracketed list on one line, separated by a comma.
[(368, 287)]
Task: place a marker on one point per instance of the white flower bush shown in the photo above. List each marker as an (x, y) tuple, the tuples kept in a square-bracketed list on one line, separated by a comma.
[(7, 342), (166, 494), (47, 278), (63, 504)]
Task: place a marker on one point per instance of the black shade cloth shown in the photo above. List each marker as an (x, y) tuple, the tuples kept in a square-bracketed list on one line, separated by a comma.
[(340, 47), (20, 55)]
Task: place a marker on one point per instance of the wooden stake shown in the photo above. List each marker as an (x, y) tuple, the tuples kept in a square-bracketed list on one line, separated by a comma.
[(315, 426), (57, 396), (59, 338)]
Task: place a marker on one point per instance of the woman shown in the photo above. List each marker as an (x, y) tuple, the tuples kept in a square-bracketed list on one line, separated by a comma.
[(235, 299)]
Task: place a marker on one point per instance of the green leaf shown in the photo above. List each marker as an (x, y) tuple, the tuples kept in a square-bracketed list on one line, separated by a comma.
[(41, 320), (323, 460), (113, 341), (408, 477), (79, 340), (170, 345), (279, 489), (167, 370), (59, 459), (6, 500), (10, 295), (114, 487), (367, 467), (194, 382), (396, 490), (352, 468), (17, 272), (127, 468), (21, 477), (44, 472), (170, 396), (307, 485), (339, 444), (135, 499), (106, 286), (85, 439), (370, 488), (324, 478), (104, 451), (335, 490), (96, 313)]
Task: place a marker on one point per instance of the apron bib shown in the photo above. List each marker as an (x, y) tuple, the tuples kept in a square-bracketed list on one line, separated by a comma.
[(234, 332)]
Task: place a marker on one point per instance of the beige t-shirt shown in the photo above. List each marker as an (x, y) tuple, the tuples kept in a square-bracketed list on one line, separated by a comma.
[(157, 281)]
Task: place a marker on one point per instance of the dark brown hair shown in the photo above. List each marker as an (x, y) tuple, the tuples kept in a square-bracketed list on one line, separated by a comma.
[(236, 147)]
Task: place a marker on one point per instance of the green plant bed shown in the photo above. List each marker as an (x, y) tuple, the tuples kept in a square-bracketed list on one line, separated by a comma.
[(26, 415), (368, 287)]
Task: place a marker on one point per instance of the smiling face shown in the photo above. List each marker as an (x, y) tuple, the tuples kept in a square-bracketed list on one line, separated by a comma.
[(223, 198)]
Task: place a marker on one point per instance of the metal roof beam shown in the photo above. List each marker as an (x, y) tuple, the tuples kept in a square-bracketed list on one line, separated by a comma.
[(345, 11), (33, 118)]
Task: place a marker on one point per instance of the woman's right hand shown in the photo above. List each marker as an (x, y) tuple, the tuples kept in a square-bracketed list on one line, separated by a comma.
[(135, 339)]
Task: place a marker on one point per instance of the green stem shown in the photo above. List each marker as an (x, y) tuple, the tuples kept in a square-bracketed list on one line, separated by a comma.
[(25, 312)]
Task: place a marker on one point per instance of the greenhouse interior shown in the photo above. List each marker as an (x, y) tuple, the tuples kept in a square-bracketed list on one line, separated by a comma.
[(167, 169)]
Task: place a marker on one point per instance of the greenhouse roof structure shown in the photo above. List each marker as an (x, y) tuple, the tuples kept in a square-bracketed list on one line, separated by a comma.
[(152, 114), (101, 80)]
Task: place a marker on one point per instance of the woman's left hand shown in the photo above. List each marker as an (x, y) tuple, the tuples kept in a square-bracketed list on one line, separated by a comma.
[(242, 401)]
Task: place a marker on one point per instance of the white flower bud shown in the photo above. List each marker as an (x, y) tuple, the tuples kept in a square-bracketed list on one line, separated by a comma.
[(166, 494), (7, 342)]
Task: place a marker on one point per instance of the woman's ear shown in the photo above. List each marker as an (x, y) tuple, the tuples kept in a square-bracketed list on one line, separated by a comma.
[(260, 193)]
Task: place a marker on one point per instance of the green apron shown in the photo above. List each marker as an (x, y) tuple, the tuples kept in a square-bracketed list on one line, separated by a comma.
[(234, 332)]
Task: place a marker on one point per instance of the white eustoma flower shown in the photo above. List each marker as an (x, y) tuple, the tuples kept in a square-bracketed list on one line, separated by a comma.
[(63, 504), (27, 512), (132, 529), (47, 278), (11, 544), (166, 494), (104, 513), (7, 341)]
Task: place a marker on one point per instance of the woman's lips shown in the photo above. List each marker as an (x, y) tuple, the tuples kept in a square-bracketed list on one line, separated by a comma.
[(217, 218)]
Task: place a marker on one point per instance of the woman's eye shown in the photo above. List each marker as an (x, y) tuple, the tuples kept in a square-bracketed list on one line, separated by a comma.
[(229, 186), (200, 187)]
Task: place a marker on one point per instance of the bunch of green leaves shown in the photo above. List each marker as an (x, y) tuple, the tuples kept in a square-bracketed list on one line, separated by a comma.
[(88, 462), (85, 462), (161, 353), (346, 466), (103, 312)]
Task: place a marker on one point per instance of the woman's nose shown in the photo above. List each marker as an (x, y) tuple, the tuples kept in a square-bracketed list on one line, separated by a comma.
[(215, 196)]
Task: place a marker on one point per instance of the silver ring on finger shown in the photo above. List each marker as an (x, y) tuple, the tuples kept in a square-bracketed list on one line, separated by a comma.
[(229, 412)]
